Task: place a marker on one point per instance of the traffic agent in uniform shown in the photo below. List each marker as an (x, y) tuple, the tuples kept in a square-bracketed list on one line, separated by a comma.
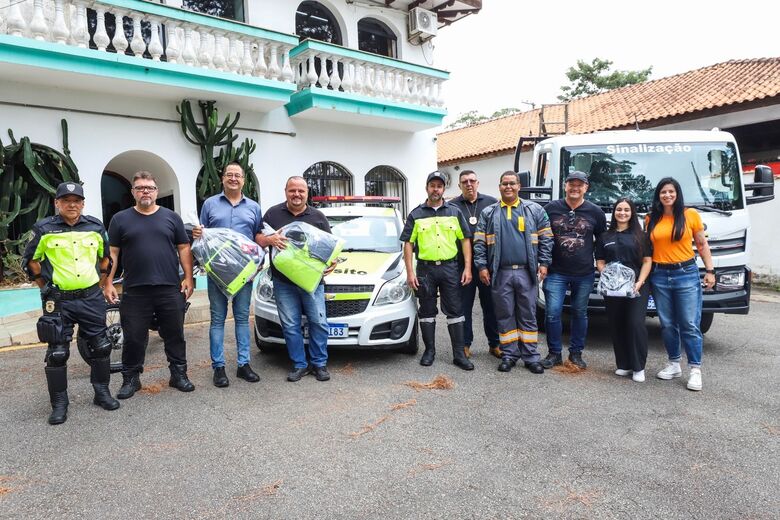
[(433, 230), (68, 258)]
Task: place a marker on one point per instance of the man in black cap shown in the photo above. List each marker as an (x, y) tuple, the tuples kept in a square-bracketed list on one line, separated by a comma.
[(433, 229), (575, 224), (68, 257)]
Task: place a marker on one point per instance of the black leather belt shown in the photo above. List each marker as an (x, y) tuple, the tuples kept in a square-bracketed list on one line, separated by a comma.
[(678, 265), (78, 293), (437, 262)]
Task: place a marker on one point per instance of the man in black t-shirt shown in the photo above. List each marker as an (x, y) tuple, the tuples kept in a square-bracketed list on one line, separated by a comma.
[(575, 224), (153, 244)]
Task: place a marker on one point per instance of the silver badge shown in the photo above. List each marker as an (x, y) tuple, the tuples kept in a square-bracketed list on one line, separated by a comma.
[(473, 221), (50, 306), (70, 187)]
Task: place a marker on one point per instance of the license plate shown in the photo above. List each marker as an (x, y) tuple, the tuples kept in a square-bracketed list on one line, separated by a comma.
[(650, 304), (335, 330)]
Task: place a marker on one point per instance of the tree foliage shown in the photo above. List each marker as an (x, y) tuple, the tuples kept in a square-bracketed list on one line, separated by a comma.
[(595, 77), (473, 117)]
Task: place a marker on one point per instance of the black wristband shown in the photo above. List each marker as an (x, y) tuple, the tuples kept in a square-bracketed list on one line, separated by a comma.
[(104, 271), (709, 271), (36, 276)]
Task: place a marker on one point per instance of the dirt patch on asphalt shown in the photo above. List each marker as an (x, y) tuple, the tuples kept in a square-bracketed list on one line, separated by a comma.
[(440, 382), (369, 427), (568, 368), (405, 404)]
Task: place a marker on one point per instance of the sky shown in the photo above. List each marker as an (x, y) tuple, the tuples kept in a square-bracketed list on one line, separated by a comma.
[(517, 51)]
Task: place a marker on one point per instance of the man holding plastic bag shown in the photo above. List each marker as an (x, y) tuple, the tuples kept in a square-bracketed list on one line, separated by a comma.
[(294, 246), (231, 257)]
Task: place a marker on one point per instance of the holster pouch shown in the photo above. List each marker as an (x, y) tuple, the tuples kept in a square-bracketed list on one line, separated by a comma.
[(50, 329)]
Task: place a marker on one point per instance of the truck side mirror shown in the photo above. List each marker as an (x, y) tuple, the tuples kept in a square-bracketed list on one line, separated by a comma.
[(763, 185), (525, 178)]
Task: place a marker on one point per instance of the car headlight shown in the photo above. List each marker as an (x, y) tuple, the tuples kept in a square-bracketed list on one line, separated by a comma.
[(393, 291), (265, 287), (730, 280)]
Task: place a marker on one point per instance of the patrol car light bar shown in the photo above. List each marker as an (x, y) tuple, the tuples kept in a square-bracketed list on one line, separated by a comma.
[(355, 198)]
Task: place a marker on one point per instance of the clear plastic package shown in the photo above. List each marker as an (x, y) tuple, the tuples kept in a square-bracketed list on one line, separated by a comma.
[(617, 280), (230, 259), (308, 254)]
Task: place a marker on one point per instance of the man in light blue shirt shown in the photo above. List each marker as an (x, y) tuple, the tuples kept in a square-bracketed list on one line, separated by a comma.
[(231, 209)]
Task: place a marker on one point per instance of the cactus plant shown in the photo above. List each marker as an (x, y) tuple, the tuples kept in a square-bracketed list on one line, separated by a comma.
[(210, 136)]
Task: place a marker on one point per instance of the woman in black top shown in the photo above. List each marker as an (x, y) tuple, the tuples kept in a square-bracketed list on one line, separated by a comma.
[(625, 242)]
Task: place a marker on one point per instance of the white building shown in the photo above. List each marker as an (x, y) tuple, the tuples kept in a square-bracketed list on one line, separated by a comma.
[(367, 116)]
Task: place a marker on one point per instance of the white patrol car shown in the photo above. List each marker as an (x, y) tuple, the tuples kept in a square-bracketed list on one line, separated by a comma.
[(368, 303)]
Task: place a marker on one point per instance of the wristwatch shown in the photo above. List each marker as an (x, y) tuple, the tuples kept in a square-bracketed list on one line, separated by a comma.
[(709, 271)]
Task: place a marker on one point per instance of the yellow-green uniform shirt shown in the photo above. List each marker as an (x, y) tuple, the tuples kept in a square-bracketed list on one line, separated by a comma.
[(69, 255), (435, 232)]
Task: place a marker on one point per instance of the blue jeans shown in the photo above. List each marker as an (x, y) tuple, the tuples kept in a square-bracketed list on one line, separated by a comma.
[(555, 286), (218, 304), (677, 294), (293, 302)]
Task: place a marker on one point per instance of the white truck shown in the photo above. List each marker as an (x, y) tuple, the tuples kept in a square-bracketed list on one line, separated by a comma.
[(631, 162)]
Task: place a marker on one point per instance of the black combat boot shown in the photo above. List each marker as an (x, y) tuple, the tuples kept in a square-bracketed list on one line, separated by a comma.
[(458, 355), (428, 333), (57, 380), (100, 377), (131, 383), (179, 378)]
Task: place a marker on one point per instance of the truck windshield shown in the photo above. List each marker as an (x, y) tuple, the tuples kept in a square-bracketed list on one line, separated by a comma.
[(708, 172), (367, 233)]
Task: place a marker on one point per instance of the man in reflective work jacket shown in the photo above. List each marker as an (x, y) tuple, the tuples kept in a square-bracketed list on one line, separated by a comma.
[(68, 258), (433, 229)]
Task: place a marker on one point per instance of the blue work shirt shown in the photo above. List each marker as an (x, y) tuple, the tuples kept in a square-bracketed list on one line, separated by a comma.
[(244, 217)]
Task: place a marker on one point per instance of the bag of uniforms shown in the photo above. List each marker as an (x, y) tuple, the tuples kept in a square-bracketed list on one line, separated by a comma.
[(230, 259), (617, 280), (308, 254)]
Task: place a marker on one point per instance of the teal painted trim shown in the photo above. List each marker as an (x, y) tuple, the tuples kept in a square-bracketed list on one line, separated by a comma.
[(338, 50), (24, 51), (185, 15), (357, 104)]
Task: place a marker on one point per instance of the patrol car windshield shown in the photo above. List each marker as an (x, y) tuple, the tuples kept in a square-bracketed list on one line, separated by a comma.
[(708, 172), (367, 233)]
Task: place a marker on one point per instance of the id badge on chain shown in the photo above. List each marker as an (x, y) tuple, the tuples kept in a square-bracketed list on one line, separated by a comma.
[(473, 221)]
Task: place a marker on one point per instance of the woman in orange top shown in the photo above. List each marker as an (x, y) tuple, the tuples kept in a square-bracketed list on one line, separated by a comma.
[(677, 289)]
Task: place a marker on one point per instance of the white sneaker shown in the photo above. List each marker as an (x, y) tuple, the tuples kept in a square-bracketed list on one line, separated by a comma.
[(622, 373), (639, 376), (671, 371), (694, 380)]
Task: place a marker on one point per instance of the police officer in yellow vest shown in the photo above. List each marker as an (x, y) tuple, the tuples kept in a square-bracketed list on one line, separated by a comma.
[(68, 258), (433, 229)]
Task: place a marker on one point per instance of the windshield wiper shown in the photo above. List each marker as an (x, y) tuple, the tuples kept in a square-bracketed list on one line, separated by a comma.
[(704, 207), (359, 249)]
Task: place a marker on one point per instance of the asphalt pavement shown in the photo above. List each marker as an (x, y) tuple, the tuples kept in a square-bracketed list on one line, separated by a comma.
[(365, 444)]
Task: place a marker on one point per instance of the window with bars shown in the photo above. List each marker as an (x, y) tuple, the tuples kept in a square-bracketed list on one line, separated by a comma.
[(387, 181), (328, 178)]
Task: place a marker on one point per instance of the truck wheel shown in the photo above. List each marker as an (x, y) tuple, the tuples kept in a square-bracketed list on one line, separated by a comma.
[(706, 321), (412, 346)]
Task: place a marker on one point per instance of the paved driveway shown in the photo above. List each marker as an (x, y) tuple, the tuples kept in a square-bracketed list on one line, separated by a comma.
[(587, 445)]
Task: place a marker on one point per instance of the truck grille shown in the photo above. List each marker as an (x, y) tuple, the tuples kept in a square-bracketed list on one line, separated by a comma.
[(729, 246), (338, 308)]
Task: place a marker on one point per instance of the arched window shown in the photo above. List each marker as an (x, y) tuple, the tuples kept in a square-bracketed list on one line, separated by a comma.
[(328, 178), (374, 36), (388, 182), (313, 20), (230, 9)]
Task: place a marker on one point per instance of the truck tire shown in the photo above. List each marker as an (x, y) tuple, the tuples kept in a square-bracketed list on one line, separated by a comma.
[(706, 321)]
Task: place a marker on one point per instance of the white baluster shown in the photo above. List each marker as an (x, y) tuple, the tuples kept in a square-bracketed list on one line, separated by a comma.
[(369, 81), (398, 86), (297, 71), (359, 77), (220, 63), (415, 90), (424, 91), (246, 61), (119, 41), (101, 36), (287, 73), (388, 84), (204, 50), (407, 96), (261, 69), (440, 94), (80, 33), (274, 70), (311, 75), (188, 54), (335, 79), (379, 84), (16, 24), (137, 44), (60, 31), (348, 82), (172, 50), (234, 57), (155, 45), (324, 79), (38, 27)]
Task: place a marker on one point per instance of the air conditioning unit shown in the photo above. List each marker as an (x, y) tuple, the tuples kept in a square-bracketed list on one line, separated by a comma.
[(423, 24)]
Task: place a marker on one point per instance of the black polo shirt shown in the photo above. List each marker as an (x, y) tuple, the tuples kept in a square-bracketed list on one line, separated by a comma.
[(279, 216), (622, 246), (472, 209)]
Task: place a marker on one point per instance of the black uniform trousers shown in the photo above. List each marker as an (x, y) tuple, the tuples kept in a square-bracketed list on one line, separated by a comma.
[(88, 312), (444, 280), (626, 317), (468, 294), (138, 306)]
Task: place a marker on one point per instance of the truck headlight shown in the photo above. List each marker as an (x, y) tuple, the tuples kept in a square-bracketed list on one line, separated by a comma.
[(730, 280), (265, 287), (393, 291)]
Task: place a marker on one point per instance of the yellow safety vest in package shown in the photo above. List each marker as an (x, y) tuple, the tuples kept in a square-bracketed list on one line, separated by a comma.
[(230, 259), (308, 254)]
